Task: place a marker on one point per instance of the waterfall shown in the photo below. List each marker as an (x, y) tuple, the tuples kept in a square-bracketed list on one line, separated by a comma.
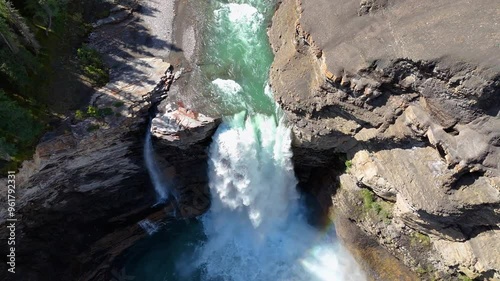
[(149, 226), (256, 229), (155, 174)]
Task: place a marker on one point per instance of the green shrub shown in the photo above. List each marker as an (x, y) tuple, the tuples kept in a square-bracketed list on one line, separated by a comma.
[(463, 277), (385, 214), (92, 65), (80, 115), (368, 198), (428, 271), (421, 271), (348, 164), (118, 104), (418, 238), (92, 111), (381, 209), (95, 112)]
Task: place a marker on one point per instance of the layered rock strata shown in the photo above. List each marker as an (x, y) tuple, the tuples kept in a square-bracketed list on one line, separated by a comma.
[(85, 191), (180, 138), (409, 94)]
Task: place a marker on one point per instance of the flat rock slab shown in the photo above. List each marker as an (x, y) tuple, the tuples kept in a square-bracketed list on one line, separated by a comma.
[(134, 80), (181, 126), (354, 34)]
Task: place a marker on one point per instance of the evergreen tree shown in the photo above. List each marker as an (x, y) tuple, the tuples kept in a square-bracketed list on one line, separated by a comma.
[(18, 127), (17, 21), (45, 11), (16, 41), (6, 32)]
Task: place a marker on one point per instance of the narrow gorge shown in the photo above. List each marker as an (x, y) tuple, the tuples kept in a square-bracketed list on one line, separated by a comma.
[(275, 140)]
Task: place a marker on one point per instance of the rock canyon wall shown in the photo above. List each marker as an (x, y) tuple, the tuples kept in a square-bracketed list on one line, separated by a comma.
[(79, 201), (395, 110)]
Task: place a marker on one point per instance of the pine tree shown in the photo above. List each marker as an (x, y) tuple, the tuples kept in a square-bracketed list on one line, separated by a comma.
[(45, 11), (13, 24), (16, 60), (8, 35)]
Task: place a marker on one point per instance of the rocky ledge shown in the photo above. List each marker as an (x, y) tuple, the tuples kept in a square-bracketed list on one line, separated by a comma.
[(180, 138), (79, 201), (395, 109), (181, 126)]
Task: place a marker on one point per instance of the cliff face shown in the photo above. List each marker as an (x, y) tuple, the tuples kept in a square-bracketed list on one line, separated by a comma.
[(81, 192), (408, 92), (79, 201)]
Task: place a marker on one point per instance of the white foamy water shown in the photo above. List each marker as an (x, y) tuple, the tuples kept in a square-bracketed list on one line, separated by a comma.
[(269, 92), (240, 14), (227, 87), (159, 182), (255, 229), (230, 93), (239, 23), (149, 226)]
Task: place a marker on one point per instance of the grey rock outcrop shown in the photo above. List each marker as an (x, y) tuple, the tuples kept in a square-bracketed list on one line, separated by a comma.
[(180, 126), (85, 191), (180, 139), (409, 92)]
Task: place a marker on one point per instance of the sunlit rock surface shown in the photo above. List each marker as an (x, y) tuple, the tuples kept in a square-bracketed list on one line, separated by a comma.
[(409, 93), (181, 126), (180, 139)]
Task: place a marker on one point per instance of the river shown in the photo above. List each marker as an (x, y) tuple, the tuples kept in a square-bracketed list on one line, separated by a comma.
[(257, 226)]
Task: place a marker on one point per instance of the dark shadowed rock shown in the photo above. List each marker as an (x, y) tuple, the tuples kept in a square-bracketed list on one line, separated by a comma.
[(180, 139), (80, 199)]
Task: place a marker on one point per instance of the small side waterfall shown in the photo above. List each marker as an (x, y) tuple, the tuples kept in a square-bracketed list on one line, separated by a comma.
[(155, 174), (149, 226)]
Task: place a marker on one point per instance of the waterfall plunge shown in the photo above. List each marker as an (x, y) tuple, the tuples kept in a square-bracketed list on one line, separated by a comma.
[(255, 229)]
